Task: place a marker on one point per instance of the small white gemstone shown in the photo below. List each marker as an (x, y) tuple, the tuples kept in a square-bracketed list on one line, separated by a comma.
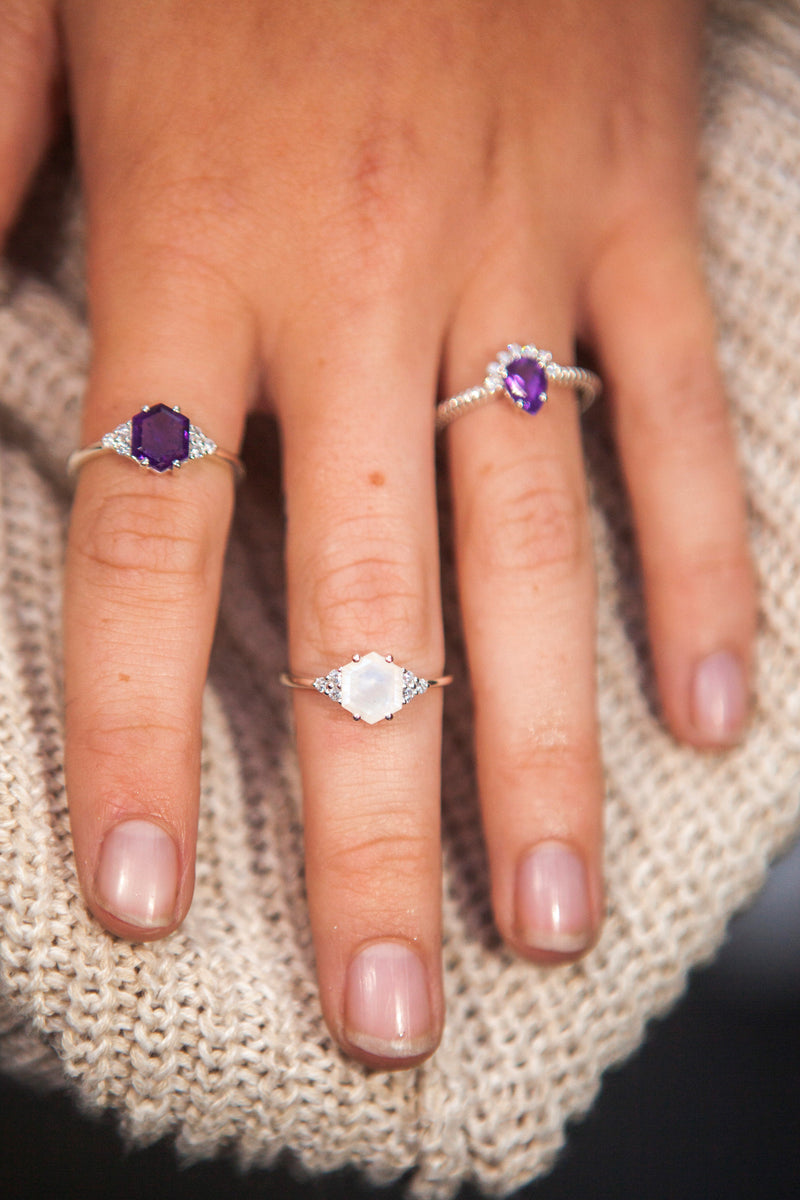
[(330, 684), (413, 686), (372, 688), (119, 439), (199, 443)]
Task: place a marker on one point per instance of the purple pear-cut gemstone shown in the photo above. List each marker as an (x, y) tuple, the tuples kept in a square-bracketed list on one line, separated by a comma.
[(160, 437), (526, 383)]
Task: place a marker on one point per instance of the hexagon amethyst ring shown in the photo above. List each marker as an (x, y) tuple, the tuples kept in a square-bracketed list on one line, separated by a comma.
[(158, 438), (521, 374), (372, 687)]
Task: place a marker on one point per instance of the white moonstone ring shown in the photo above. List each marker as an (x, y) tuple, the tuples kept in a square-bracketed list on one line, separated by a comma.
[(371, 686)]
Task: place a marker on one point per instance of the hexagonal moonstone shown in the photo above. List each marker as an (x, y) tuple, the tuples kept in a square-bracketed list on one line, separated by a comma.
[(372, 688)]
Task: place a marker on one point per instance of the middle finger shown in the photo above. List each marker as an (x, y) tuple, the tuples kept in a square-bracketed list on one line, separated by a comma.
[(362, 555)]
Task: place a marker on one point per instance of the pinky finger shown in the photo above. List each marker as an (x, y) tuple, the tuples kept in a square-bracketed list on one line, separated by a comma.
[(655, 331), (29, 96)]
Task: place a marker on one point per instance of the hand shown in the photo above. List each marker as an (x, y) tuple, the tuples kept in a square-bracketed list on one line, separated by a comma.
[(326, 209)]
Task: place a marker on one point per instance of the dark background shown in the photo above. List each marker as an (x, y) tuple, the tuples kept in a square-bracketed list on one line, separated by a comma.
[(709, 1108)]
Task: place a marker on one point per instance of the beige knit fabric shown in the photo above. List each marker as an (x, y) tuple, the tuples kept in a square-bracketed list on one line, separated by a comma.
[(215, 1034)]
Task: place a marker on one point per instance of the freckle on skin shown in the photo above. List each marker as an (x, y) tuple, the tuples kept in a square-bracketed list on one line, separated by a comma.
[(377, 478), (124, 678)]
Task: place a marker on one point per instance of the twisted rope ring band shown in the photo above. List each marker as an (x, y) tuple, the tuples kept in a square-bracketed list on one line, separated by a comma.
[(522, 375)]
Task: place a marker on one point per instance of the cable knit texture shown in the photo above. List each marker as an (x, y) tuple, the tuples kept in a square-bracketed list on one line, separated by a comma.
[(215, 1034)]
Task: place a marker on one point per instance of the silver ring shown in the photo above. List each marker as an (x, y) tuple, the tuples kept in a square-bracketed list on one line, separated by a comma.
[(522, 375), (160, 439), (372, 687)]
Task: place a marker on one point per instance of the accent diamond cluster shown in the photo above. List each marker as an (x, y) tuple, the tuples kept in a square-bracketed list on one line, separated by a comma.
[(373, 688), (160, 438)]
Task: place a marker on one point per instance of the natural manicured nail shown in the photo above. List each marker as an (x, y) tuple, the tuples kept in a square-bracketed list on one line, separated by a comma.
[(719, 698), (553, 912), (137, 875), (387, 1002)]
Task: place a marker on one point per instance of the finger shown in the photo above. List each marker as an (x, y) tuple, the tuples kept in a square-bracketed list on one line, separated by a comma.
[(652, 321), (171, 324), (28, 96), (363, 576), (527, 594), (143, 573)]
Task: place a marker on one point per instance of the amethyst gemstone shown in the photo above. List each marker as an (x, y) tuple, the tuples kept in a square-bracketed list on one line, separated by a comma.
[(160, 437), (526, 383)]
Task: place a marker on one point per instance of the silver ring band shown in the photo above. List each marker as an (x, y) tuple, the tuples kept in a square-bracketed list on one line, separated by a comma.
[(522, 375)]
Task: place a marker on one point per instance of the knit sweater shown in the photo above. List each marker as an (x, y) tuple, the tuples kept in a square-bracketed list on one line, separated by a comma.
[(215, 1034)]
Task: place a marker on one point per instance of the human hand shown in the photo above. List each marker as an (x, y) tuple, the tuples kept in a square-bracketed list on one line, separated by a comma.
[(327, 209)]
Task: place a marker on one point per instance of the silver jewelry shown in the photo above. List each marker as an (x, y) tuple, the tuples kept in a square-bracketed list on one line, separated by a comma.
[(521, 374), (371, 686), (158, 438)]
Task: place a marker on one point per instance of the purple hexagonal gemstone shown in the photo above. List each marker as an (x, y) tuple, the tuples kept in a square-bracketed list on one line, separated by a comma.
[(160, 437), (526, 383)]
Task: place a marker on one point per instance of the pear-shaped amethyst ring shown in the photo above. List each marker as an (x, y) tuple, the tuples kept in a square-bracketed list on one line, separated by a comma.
[(160, 439), (521, 374)]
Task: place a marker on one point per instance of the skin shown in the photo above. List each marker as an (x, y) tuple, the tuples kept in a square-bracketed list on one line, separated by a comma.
[(362, 203)]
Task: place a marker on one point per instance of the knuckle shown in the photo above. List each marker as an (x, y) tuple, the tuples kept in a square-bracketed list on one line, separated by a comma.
[(558, 759), (188, 255), (193, 231), (705, 571), (378, 589), (529, 516), (133, 538), (376, 869), (383, 161), (119, 740), (379, 213)]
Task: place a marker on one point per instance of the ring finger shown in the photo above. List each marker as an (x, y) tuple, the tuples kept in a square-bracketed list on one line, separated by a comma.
[(527, 588)]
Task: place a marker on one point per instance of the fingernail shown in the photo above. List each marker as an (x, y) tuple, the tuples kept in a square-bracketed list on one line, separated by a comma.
[(552, 900), (137, 875), (387, 1002), (719, 698)]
